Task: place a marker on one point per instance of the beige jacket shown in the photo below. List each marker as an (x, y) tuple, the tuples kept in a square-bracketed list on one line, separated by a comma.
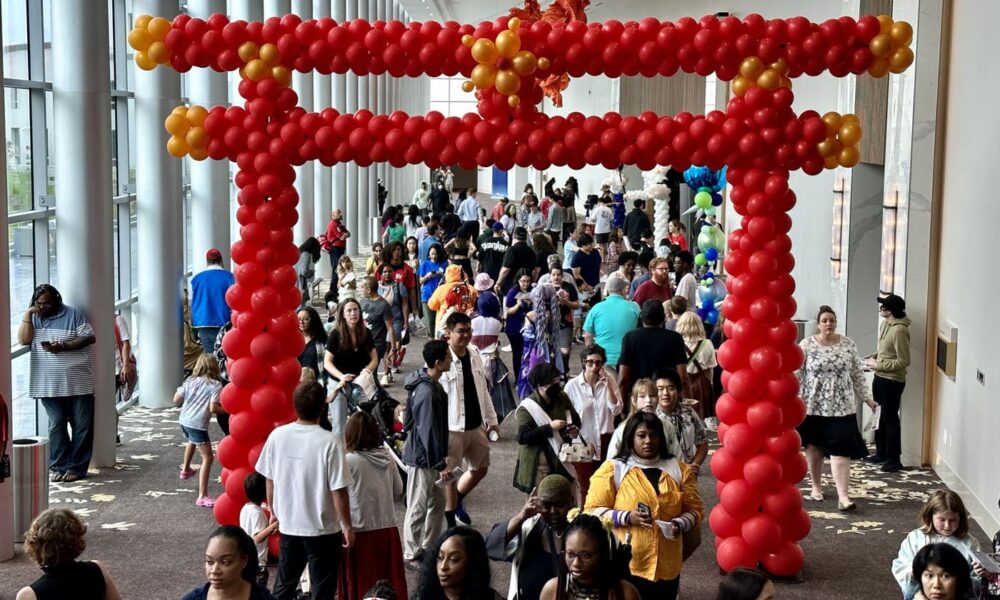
[(893, 349)]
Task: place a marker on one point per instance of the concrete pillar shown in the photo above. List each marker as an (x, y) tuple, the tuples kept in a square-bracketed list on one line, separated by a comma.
[(160, 222), (323, 176), (373, 106), (209, 178), (7, 486), (362, 198), (353, 214), (382, 82), (339, 98)]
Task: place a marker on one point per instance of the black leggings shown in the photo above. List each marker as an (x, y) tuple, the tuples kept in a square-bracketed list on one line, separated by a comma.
[(664, 589), (517, 349), (888, 436)]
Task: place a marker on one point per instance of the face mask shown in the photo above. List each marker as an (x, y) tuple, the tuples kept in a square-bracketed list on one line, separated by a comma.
[(554, 392)]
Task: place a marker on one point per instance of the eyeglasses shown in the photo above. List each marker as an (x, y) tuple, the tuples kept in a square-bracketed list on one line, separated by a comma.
[(582, 556), (594, 363)]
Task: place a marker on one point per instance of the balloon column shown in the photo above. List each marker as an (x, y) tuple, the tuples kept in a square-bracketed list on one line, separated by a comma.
[(711, 241), (758, 136)]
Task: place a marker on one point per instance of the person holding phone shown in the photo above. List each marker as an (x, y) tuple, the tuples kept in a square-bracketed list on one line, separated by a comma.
[(545, 420)]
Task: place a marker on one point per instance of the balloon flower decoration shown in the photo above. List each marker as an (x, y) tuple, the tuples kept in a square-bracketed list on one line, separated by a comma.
[(759, 136), (711, 241)]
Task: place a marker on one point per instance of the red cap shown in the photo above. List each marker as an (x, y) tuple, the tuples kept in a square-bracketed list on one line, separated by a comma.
[(213, 254)]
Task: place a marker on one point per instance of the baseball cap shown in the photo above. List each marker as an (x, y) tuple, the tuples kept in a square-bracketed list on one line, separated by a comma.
[(521, 233), (213, 254), (498, 226), (892, 303)]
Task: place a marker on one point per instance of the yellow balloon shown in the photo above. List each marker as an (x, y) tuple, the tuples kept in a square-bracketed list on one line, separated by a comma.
[(176, 124), (508, 44), (849, 156), (143, 61), (831, 162), (270, 54), (901, 32), (508, 82), (283, 75), (881, 45), (467, 40), (885, 23), (176, 146), (851, 118), (543, 63), (139, 39), (196, 115), (740, 85), (181, 110), (901, 59), (257, 69), (514, 101), (781, 66), (468, 86), (833, 122), (850, 134), (199, 153), (196, 138), (248, 51), (158, 28), (514, 24), (751, 67), (484, 52), (769, 79), (483, 76), (524, 63), (142, 21), (879, 68), (828, 147), (159, 53)]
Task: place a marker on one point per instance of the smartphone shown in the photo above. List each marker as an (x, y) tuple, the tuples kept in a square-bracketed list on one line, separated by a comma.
[(986, 561), (46, 344), (644, 509)]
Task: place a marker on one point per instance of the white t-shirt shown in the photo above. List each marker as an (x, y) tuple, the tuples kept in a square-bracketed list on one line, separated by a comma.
[(198, 393), (603, 216), (306, 463), (253, 521)]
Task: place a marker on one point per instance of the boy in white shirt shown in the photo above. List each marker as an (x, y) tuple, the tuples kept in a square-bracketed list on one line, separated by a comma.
[(253, 520)]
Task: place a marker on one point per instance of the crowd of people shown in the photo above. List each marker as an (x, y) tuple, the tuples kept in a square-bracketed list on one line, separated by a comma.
[(611, 441)]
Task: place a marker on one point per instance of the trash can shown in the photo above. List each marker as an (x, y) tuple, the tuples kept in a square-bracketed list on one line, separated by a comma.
[(31, 482)]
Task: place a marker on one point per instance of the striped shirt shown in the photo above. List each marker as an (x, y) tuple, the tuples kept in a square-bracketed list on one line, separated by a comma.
[(198, 393), (66, 373)]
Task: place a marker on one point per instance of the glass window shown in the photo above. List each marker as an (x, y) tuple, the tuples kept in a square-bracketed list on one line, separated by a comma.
[(116, 248), (53, 272), (131, 141), (14, 16), (50, 163), (134, 244), (25, 408), (114, 148), (17, 115), (439, 90), (21, 262), (47, 38)]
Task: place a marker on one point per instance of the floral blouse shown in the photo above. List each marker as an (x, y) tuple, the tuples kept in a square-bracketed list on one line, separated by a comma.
[(685, 430), (830, 379)]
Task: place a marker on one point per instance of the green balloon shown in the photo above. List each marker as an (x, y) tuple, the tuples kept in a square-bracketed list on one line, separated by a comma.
[(710, 211), (700, 260), (703, 200)]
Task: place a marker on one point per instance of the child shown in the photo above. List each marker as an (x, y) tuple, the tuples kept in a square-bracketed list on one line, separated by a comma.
[(373, 261), (944, 520), (199, 395), (254, 520), (615, 248), (347, 283), (381, 591)]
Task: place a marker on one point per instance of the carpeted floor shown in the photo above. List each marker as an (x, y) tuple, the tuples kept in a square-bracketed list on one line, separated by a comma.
[(145, 527)]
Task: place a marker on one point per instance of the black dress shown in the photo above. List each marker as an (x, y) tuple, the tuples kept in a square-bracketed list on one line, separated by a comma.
[(77, 580)]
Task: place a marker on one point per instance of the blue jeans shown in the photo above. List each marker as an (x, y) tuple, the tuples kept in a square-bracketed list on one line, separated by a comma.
[(66, 454), (207, 336)]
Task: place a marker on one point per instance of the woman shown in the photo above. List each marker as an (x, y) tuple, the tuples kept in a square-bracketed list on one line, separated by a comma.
[(456, 568), (412, 248), (231, 568), (592, 571), (459, 250), (543, 248), (486, 328), (421, 197), (517, 304), (53, 542), (395, 295), (509, 220), (413, 221), (677, 234), (645, 472), (596, 397), (309, 254), (541, 335), (831, 384), (375, 259), (431, 273), (701, 361), (452, 294), (942, 573), (745, 584), (375, 485), (890, 366), (350, 351), (311, 328), (545, 420)]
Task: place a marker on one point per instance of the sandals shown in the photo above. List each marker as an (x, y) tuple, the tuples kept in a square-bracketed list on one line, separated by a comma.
[(847, 507), (206, 501), (69, 477), (56, 476), (187, 473), (813, 497)]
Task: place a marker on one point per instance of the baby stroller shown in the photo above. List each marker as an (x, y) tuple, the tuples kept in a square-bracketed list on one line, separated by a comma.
[(365, 394)]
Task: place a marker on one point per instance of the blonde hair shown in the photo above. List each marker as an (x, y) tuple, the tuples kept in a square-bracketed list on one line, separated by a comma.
[(55, 537), (206, 366), (644, 385), (345, 265), (307, 375), (690, 327), (943, 501)]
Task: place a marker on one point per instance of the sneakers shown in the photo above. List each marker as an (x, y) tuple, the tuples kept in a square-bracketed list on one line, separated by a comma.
[(205, 501), (386, 380), (462, 515), (892, 467), (874, 459), (187, 474)]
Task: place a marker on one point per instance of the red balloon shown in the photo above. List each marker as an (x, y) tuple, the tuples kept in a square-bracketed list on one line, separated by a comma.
[(785, 444), (748, 332), (766, 361), (234, 399), (234, 484), (783, 501), (236, 343), (747, 286), (739, 498), (226, 511), (723, 524), (270, 402), (735, 552), (232, 454), (285, 374), (730, 411), (762, 471), (793, 412), (745, 385), (253, 454), (742, 440), (725, 466), (248, 427), (247, 372), (766, 417), (783, 387), (795, 526), (785, 561), (762, 532)]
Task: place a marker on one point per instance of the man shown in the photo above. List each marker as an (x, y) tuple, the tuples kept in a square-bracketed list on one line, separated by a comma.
[(658, 286), (646, 242), (336, 245), (519, 256), (378, 318), (440, 199), (534, 220), (636, 223), (425, 452), (470, 415), (500, 208), (554, 222), (209, 311), (586, 266), (890, 364), (491, 251), (383, 195), (610, 319), (307, 481), (687, 283), (649, 348), (533, 538), (468, 211), (433, 237), (684, 429), (603, 217), (62, 377), (421, 197), (643, 275)]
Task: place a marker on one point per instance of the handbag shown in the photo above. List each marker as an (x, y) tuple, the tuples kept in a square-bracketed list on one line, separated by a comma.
[(577, 451), (701, 382)]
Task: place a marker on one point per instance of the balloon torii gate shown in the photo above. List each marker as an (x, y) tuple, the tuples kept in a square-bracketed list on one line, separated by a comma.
[(760, 518)]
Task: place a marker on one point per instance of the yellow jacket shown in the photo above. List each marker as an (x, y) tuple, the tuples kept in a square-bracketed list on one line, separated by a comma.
[(654, 557)]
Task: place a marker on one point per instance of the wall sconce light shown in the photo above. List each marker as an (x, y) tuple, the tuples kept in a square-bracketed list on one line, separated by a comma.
[(890, 209), (836, 252)]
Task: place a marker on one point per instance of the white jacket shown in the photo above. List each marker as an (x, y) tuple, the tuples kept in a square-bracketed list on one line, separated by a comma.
[(902, 567), (596, 406), (453, 383)]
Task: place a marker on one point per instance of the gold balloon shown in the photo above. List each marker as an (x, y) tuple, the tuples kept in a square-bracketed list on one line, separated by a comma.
[(483, 76), (827, 147), (769, 79), (142, 21), (508, 82), (248, 51), (881, 45), (879, 68), (199, 153), (181, 110), (139, 39), (850, 134), (740, 85), (514, 101), (176, 124), (196, 115), (484, 52), (751, 67), (543, 63), (831, 162), (159, 53), (901, 32), (176, 146), (257, 69), (269, 53), (524, 63), (467, 40), (514, 24), (849, 156), (468, 86), (196, 138), (885, 23), (901, 59), (158, 28), (833, 122), (781, 66), (143, 61), (508, 44), (283, 75), (851, 118), (786, 82)]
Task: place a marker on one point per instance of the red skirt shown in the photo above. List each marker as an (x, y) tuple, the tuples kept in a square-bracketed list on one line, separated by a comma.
[(376, 555)]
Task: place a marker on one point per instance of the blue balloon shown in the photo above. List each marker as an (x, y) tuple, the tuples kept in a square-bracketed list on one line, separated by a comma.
[(712, 318), (716, 199), (711, 255), (703, 177), (707, 304)]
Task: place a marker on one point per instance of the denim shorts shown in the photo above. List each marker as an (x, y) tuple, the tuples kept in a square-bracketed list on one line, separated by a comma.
[(195, 436)]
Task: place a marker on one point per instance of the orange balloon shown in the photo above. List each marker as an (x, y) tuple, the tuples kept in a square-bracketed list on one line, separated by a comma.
[(849, 156), (139, 39), (257, 69), (467, 40), (751, 67), (143, 61), (508, 44), (181, 110), (468, 86), (176, 146), (269, 53), (142, 21), (786, 82), (196, 115), (514, 101), (881, 45), (524, 63), (850, 134), (885, 23), (833, 122), (196, 138), (159, 53), (158, 28), (248, 51), (781, 66), (831, 162), (507, 82), (198, 153), (851, 118), (483, 76), (484, 52), (901, 59), (514, 24), (901, 32), (879, 68), (176, 124), (769, 80)]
